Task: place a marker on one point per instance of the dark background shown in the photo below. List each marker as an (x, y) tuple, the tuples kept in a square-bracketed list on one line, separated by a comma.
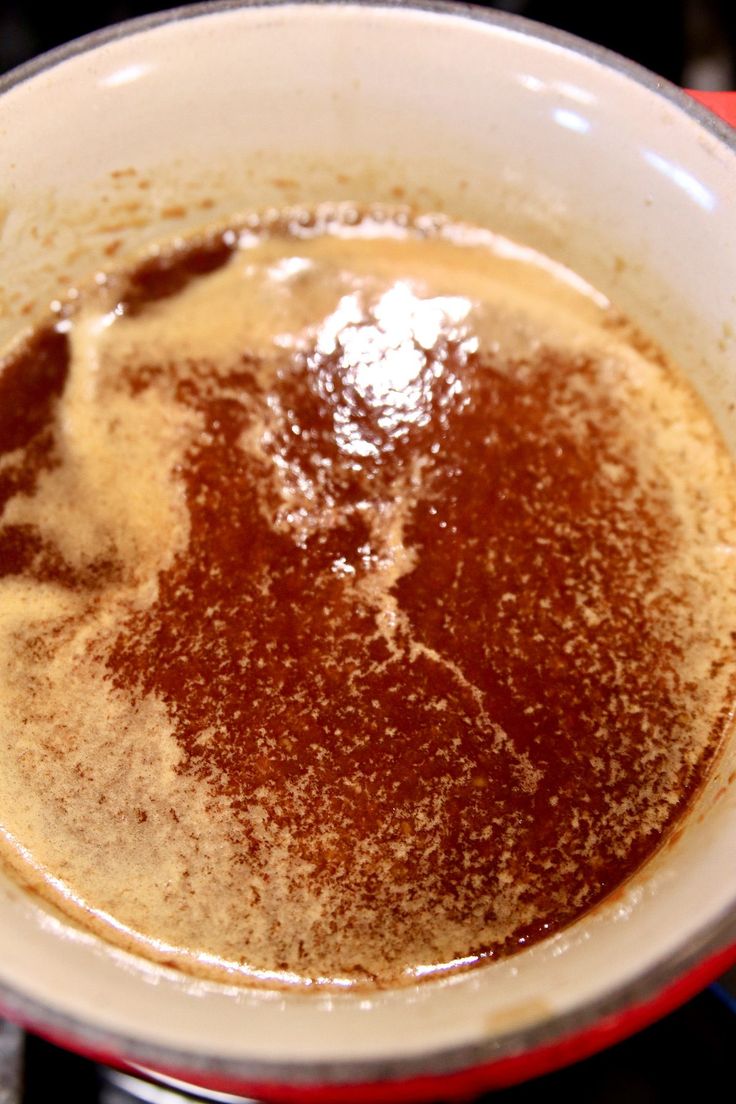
[(691, 1054)]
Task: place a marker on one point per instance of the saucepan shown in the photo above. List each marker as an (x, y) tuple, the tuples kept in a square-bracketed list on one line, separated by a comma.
[(156, 127)]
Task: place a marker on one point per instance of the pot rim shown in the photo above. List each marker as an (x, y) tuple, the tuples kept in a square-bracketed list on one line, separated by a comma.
[(494, 1063), (505, 1058), (470, 11)]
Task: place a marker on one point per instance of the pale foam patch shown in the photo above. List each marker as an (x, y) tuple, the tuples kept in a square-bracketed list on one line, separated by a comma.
[(95, 811), (111, 497)]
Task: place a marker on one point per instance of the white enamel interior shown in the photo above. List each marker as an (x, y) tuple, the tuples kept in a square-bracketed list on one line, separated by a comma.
[(484, 121)]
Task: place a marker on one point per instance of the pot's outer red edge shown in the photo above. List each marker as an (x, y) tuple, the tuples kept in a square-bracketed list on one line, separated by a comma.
[(463, 1084), (722, 104)]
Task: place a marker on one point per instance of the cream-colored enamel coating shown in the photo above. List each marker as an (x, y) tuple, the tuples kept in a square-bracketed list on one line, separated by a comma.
[(549, 147)]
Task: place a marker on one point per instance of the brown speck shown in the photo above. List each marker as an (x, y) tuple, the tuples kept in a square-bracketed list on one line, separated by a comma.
[(117, 174), (283, 182), (726, 338), (398, 192), (112, 247), (119, 227), (173, 212)]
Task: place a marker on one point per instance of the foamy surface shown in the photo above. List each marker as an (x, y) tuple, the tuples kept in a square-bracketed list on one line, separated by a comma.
[(372, 610)]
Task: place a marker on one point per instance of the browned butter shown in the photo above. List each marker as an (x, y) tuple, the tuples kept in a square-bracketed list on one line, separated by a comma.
[(366, 600)]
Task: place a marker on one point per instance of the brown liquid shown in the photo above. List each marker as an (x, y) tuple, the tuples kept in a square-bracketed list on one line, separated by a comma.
[(365, 603)]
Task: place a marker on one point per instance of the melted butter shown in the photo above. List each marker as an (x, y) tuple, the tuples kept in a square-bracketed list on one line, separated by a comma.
[(368, 613)]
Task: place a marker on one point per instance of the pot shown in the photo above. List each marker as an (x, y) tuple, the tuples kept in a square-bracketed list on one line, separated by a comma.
[(150, 129)]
